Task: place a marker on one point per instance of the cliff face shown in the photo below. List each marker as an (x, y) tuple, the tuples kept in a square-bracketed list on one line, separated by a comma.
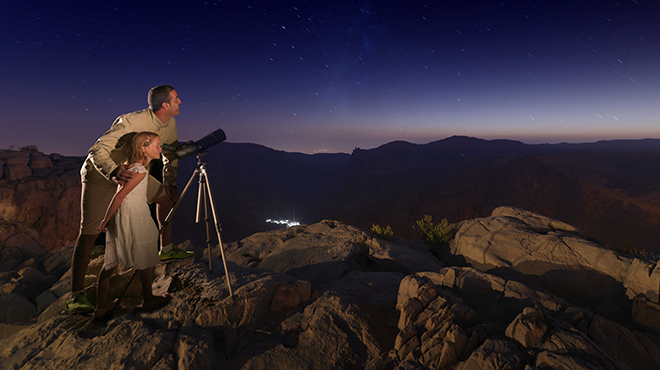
[(42, 192)]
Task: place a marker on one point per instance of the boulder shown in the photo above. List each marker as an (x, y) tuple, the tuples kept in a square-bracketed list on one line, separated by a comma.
[(40, 161), (16, 171), (546, 331), (67, 342), (643, 279), (318, 253), (15, 308), (325, 251), (495, 354), (11, 157), (548, 255)]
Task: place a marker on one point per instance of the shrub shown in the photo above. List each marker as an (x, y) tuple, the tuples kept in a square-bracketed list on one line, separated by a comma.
[(385, 233), (638, 253), (29, 148), (435, 235), (291, 233)]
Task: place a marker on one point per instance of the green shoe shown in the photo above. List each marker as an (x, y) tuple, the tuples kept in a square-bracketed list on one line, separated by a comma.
[(79, 303), (175, 254)]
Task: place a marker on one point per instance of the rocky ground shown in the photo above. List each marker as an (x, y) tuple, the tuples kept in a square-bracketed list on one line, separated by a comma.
[(515, 290)]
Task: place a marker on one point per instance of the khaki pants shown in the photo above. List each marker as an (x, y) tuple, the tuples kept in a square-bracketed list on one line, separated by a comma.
[(95, 198)]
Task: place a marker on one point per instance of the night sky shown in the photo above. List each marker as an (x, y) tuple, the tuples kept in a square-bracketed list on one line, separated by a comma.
[(329, 76)]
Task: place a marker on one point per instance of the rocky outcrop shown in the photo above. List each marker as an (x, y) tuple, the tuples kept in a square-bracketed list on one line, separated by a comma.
[(449, 320), (325, 251), (26, 271), (550, 255), (42, 192), (330, 296)]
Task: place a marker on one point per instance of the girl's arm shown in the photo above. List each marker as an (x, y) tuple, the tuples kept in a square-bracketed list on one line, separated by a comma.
[(119, 198)]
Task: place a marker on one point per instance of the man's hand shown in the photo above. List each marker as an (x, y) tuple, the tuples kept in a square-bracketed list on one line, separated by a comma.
[(123, 175), (171, 193)]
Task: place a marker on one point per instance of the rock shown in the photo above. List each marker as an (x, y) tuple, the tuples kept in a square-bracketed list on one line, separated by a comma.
[(528, 328), (15, 157), (26, 246), (15, 308), (47, 201), (58, 262), (387, 256), (454, 344), (317, 253), (16, 171), (455, 317), (40, 161), (494, 354), (325, 251), (336, 325), (492, 296), (249, 306), (65, 342), (195, 350), (646, 314), (548, 255), (549, 360), (535, 221), (409, 312), (643, 279), (410, 286), (578, 346), (632, 349)]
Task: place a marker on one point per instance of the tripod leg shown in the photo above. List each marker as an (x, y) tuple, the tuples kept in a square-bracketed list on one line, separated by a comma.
[(217, 229), (200, 191), (178, 201), (206, 221)]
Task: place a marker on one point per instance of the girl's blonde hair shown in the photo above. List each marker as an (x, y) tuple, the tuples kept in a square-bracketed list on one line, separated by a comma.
[(140, 140)]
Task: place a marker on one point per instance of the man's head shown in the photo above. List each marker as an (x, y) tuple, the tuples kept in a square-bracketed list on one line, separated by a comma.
[(159, 95)]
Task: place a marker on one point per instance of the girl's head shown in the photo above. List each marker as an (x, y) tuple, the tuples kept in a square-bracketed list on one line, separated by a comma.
[(144, 148)]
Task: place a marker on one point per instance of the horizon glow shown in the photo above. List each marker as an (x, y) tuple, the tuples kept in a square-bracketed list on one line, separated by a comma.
[(328, 77)]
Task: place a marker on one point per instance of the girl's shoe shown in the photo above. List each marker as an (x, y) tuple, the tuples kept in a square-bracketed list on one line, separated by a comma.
[(175, 253), (78, 303)]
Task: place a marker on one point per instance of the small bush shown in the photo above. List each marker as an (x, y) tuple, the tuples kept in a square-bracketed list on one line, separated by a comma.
[(291, 233), (435, 235), (29, 148), (385, 233), (638, 253)]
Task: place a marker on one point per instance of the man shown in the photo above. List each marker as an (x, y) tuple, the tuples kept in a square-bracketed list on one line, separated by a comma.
[(103, 170)]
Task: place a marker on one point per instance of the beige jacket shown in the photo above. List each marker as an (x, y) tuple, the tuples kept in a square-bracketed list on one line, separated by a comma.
[(111, 149)]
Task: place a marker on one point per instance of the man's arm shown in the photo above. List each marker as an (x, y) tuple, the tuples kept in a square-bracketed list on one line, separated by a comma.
[(99, 153)]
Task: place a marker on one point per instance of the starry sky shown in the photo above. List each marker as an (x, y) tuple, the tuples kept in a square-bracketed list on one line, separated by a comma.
[(329, 76)]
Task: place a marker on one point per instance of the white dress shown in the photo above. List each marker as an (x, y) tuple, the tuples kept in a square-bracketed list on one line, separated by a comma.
[(132, 237)]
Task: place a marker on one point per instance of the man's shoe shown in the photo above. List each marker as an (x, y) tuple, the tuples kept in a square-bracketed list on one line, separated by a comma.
[(79, 303), (175, 254)]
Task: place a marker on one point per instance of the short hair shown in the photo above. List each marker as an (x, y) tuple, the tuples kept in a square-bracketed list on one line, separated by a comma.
[(159, 95), (140, 140)]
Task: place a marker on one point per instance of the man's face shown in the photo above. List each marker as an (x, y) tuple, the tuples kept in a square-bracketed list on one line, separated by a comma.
[(173, 104)]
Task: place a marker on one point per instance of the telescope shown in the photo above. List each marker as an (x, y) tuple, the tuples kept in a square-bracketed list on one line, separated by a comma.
[(191, 148)]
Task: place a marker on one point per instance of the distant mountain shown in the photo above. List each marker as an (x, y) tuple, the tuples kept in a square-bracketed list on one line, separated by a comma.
[(609, 189)]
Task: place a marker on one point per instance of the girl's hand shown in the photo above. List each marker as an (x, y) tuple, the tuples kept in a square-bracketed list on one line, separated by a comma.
[(103, 227)]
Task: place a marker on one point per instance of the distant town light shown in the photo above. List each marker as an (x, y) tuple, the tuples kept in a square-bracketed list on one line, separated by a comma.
[(284, 222)]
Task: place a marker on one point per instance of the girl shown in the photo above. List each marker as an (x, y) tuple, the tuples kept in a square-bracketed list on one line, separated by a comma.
[(132, 237)]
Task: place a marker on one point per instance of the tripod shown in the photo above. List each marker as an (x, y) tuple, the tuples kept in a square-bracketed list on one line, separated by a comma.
[(203, 195)]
